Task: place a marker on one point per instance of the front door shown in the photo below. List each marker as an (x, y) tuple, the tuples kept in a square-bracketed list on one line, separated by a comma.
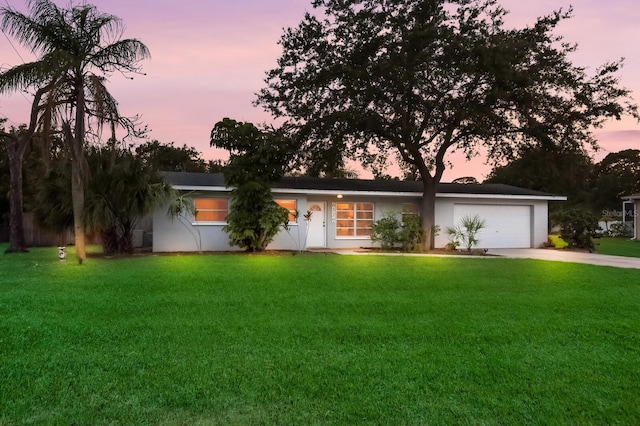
[(316, 225)]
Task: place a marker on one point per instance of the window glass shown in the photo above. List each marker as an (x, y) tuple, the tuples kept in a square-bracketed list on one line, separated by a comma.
[(211, 209), (409, 209), (354, 219), (291, 206)]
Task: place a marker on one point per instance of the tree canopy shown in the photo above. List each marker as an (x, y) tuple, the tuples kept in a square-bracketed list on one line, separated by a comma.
[(257, 159), (617, 175), (424, 78), (556, 170), (170, 158)]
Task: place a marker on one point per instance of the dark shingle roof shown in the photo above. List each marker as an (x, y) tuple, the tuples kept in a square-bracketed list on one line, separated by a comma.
[(323, 184)]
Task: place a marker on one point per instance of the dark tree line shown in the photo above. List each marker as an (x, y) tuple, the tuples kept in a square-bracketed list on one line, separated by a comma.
[(596, 187), (124, 185)]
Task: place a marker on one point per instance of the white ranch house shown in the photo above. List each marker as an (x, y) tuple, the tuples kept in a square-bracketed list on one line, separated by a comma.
[(343, 210)]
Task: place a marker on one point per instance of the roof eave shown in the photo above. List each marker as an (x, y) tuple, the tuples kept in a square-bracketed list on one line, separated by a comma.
[(503, 196), (336, 192)]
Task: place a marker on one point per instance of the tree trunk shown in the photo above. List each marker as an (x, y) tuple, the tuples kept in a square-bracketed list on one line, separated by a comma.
[(77, 197), (428, 211), (78, 173), (15, 150), (79, 170), (16, 147)]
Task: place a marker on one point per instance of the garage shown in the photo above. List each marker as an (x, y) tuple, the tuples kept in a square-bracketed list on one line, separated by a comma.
[(506, 226)]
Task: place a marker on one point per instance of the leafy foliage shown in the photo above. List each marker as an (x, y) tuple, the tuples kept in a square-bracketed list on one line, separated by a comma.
[(390, 231), (550, 169), (424, 78), (617, 175), (620, 230), (254, 218), (170, 158), (385, 231), (258, 158), (120, 192), (466, 232), (577, 227), (52, 201), (412, 234), (78, 47)]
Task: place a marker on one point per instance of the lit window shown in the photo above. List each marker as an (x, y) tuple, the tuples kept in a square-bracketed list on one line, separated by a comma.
[(409, 209), (354, 219), (291, 206), (211, 209)]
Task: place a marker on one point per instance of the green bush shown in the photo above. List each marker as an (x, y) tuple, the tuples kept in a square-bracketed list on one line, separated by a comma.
[(254, 218), (577, 227), (411, 235), (619, 230), (390, 232), (386, 231)]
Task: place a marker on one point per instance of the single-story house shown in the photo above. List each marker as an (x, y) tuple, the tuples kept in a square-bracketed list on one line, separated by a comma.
[(635, 214), (340, 212)]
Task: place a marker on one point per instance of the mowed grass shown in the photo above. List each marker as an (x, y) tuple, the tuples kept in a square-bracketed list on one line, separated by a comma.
[(618, 246), (316, 339)]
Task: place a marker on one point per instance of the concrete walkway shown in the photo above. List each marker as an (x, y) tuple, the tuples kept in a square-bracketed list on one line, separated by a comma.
[(540, 254), (570, 256)]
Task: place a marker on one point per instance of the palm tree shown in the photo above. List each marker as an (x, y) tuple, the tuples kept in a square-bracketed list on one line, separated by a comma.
[(122, 190), (79, 47)]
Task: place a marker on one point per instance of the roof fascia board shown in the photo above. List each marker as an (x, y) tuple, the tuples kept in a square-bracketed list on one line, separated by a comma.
[(503, 196), (350, 193), (202, 188), (334, 192)]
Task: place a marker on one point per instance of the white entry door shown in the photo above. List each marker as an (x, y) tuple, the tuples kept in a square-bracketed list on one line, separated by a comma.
[(317, 232)]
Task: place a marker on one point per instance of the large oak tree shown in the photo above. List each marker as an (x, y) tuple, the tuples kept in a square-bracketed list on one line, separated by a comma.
[(424, 78)]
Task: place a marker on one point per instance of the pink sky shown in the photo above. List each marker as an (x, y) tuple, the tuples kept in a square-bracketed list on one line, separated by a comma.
[(209, 58)]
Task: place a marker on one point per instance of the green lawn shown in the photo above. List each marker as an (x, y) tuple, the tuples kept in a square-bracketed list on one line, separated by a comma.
[(618, 246), (613, 246), (316, 339)]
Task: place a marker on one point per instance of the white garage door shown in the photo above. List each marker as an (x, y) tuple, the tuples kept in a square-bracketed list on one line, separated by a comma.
[(505, 226)]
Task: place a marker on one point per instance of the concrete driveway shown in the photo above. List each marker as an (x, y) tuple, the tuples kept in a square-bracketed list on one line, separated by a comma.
[(541, 254), (570, 256)]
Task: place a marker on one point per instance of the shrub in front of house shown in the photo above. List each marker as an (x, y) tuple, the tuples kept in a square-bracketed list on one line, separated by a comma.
[(254, 218), (390, 232), (411, 234), (386, 231), (577, 227)]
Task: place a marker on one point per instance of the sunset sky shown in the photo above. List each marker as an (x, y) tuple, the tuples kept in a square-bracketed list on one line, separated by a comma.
[(209, 58)]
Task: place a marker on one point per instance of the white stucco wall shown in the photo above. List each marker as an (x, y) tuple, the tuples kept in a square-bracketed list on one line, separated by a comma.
[(182, 235)]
